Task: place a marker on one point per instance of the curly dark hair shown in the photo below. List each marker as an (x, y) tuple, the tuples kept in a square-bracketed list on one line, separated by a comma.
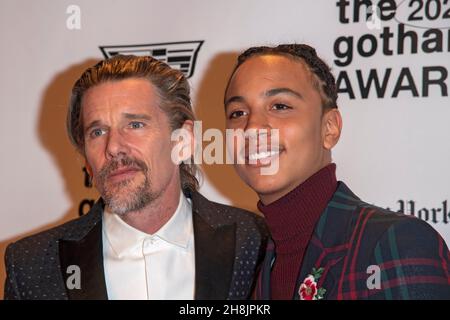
[(323, 80)]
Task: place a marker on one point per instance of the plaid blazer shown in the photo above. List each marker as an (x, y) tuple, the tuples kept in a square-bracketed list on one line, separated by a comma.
[(353, 238)]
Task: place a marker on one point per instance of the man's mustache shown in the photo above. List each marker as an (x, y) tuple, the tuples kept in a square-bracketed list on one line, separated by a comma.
[(122, 162)]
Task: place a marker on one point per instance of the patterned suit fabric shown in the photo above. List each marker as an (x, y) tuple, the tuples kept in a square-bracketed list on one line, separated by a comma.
[(354, 240), (229, 243)]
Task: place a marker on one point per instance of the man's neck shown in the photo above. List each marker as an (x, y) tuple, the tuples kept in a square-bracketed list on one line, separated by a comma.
[(155, 215)]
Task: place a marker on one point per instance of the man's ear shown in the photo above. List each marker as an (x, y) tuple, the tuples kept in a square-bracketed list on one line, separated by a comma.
[(184, 142), (189, 126), (331, 128), (88, 168), (90, 179)]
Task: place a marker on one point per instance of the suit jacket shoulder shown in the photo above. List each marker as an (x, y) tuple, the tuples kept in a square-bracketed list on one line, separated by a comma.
[(33, 261), (413, 261), (219, 214)]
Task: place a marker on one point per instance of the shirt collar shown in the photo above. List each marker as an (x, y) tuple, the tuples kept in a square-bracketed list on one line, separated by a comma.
[(124, 238), (179, 228)]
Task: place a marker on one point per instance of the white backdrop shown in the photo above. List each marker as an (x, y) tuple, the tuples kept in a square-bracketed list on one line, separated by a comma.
[(394, 150)]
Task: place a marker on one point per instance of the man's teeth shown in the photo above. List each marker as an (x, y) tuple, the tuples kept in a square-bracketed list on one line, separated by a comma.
[(262, 155)]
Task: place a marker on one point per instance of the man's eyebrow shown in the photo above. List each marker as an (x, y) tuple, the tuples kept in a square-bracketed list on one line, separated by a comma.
[(91, 125), (268, 93), (275, 91), (233, 99), (137, 116)]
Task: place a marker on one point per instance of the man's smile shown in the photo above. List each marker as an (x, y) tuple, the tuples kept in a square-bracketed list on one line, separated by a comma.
[(263, 158)]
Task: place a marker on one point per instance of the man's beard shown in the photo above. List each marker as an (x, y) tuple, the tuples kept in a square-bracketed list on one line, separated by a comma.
[(127, 195)]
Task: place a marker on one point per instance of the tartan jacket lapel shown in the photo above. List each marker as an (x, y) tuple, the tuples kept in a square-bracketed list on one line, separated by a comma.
[(262, 285), (329, 245)]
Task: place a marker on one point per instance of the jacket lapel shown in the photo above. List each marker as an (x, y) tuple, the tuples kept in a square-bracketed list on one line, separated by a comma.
[(330, 262), (213, 265), (87, 254), (330, 241)]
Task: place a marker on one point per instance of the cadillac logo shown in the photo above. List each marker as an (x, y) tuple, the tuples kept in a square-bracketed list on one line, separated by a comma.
[(178, 55)]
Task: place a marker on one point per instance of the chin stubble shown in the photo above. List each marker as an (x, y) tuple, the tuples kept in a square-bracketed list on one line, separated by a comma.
[(125, 196)]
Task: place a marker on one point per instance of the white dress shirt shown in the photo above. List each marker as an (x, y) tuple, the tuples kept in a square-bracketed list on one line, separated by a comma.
[(141, 266)]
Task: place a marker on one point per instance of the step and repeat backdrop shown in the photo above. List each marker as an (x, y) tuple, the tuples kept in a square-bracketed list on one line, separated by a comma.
[(391, 60)]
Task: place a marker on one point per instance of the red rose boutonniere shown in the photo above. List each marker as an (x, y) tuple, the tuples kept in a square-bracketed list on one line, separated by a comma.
[(308, 289)]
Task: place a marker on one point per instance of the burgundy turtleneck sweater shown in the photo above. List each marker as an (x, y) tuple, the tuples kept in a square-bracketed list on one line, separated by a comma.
[(291, 221)]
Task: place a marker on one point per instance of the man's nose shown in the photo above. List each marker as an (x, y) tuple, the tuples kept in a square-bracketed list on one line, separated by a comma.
[(116, 144), (257, 120), (257, 132)]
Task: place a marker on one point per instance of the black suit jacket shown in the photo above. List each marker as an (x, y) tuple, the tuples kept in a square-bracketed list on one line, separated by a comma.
[(229, 242)]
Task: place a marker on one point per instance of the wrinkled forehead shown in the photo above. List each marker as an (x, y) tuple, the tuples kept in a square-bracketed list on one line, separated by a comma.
[(120, 97), (119, 88), (136, 90)]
